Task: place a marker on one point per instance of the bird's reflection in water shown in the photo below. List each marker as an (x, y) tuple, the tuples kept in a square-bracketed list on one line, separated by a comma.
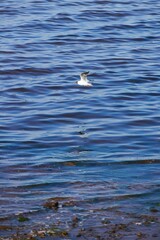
[(84, 142)]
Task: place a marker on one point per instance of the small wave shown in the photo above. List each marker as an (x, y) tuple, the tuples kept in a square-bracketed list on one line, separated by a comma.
[(32, 71), (21, 89)]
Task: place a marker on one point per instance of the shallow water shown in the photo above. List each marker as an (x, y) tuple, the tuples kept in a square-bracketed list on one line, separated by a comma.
[(60, 140)]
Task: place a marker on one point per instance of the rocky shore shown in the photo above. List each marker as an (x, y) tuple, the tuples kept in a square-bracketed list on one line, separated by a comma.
[(70, 219)]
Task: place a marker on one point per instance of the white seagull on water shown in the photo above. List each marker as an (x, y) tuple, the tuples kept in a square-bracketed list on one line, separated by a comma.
[(83, 80)]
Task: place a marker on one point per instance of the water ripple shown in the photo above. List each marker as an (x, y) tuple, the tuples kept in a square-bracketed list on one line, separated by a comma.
[(100, 143)]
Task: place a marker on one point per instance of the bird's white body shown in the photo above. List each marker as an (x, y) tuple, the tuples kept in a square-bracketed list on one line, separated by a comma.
[(84, 81)]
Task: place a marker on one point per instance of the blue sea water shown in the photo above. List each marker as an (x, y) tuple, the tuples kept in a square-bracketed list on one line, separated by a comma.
[(58, 139)]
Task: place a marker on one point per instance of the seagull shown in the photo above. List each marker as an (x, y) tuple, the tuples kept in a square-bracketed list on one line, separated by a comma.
[(83, 80)]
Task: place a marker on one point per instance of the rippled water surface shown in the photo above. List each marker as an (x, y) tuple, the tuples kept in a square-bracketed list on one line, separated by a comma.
[(61, 140)]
